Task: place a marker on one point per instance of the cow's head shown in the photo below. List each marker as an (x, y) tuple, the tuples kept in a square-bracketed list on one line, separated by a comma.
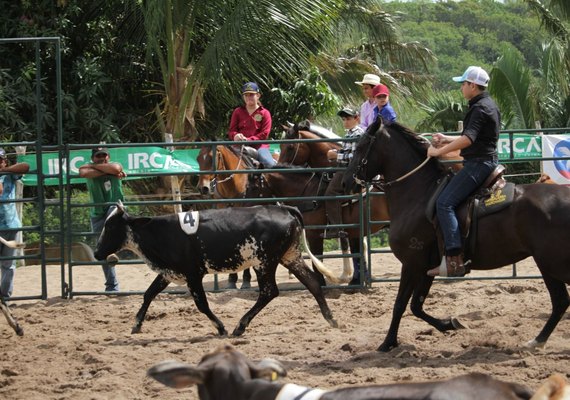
[(218, 374), (114, 233)]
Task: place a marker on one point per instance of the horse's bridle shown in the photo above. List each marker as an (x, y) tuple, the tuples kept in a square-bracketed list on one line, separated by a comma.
[(364, 161), (219, 156)]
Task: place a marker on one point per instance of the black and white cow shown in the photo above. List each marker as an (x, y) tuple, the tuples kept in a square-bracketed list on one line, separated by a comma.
[(184, 247), (228, 374)]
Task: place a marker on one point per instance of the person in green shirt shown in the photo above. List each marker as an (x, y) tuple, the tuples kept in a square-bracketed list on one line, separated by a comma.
[(104, 186)]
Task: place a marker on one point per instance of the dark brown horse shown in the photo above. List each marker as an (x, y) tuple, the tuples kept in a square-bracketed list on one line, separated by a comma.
[(307, 184), (314, 154), (535, 225), (225, 185)]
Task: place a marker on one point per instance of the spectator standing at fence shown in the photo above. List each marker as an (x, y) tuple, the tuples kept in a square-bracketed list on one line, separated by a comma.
[(368, 82), (252, 121), (104, 186), (9, 219)]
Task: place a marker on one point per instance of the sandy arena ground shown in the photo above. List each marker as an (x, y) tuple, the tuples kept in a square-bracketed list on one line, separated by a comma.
[(83, 349)]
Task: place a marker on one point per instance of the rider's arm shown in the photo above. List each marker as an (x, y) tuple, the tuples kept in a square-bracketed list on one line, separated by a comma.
[(458, 143)]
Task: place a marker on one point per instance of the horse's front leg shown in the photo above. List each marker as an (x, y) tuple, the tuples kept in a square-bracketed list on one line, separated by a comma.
[(157, 286), (418, 299), (405, 291)]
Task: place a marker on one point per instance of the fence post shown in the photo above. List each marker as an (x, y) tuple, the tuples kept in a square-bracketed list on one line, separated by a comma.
[(174, 182)]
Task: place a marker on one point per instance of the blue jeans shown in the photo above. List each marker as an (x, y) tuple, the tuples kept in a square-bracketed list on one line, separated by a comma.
[(111, 282), (264, 155), (8, 267), (461, 186)]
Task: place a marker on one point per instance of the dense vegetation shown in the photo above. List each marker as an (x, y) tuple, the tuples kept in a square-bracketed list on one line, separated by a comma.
[(113, 76)]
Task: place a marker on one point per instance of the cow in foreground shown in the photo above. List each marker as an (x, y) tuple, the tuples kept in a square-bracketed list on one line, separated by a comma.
[(228, 374), (218, 241)]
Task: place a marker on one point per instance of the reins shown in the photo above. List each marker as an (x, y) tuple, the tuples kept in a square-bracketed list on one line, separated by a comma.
[(364, 161), (225, 166)]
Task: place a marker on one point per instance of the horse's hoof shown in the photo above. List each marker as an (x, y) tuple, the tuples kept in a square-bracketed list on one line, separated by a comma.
[(534, 344), (19, 331), (238, 331), (458, 325), (386, 347), (231, 285), (246, 285), (136, 329), (334, 324)]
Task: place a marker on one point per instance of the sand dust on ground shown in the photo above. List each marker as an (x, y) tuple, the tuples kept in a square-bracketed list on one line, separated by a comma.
[(82, 348)]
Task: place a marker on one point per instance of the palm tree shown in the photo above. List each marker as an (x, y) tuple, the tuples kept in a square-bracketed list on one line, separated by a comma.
[(207, 49)]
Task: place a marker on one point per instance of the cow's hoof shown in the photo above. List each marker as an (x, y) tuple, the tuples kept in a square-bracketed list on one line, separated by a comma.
[(246, 285)]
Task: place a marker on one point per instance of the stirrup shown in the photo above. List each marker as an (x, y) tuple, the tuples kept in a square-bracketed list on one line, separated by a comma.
[(451, 270)]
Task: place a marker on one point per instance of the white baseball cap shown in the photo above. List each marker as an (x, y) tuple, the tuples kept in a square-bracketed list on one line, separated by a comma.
[(476, 75), (369, 79)]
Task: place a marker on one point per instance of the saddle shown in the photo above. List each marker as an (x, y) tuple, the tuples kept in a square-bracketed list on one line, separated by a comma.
[(250, 156), (494, 195)]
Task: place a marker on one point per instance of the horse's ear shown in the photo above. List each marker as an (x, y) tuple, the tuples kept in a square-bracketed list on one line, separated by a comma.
[(375, 126)]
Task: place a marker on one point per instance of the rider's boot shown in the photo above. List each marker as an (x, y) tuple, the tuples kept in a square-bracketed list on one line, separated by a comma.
[(454, 267)]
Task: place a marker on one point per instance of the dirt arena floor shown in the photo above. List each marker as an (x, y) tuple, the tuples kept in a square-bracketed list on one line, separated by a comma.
[(83, 349)]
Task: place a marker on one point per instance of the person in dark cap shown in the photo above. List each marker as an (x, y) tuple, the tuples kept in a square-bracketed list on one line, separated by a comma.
[(104, 185), (252, 121), (350, 121), (9, 219)]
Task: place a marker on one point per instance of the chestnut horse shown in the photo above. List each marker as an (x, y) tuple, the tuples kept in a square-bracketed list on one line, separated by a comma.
[(307, 184), (225, 185), (534, 225)]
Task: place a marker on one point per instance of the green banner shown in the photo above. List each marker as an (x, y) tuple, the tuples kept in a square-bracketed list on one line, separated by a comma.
[(149, 160), (524, 146), (136, 160)]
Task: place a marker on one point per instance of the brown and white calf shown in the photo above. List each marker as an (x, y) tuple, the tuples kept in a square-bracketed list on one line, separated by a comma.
[(228, 374)]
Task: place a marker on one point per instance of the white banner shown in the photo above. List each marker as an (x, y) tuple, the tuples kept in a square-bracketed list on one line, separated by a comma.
[(557, 146)]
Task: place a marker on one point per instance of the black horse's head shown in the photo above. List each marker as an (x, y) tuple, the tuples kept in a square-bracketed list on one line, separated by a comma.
[(357, 171), (114, 234)]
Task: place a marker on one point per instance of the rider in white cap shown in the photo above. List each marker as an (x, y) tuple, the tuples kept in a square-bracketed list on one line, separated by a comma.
[(478, 145)]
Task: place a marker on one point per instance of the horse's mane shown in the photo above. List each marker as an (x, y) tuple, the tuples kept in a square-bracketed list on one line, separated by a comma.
[(417, 142), (318, 130)]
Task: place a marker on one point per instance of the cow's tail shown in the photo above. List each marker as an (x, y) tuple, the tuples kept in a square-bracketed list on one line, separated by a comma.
[(295, 212), (347, 270)]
